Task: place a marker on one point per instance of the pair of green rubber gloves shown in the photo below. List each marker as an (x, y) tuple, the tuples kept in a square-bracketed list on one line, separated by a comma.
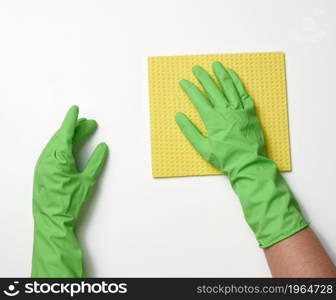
[(234, 145)]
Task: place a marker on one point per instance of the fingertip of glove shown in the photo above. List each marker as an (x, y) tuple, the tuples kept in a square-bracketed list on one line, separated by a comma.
[(102, 146), (74, 108), (102, 149), (217, 64), (199, 72), (93, 122), (183, 83), (180, 118), (90, 125), (197, 68)]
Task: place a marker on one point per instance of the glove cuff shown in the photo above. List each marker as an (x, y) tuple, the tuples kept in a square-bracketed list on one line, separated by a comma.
[(269, 206)]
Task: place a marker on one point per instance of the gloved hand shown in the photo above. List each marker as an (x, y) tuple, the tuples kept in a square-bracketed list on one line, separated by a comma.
[(58, 195), (235, 146)]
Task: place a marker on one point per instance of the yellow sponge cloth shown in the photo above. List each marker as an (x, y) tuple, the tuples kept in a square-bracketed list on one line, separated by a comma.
[(263, 75)]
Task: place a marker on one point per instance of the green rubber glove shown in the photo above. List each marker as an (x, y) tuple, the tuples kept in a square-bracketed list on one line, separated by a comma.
[(58, 195), (235, 146)]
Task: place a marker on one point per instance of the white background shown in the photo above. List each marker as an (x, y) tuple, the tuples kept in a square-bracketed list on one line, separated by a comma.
[(93, 53)]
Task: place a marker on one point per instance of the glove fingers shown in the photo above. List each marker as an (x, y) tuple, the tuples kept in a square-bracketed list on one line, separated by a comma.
[(227, 85), (69, 123), (80, 121), (96, 161), (215, 95), (83, 129), (200, 102), (192, 133), (238, 84), (245, 98)]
